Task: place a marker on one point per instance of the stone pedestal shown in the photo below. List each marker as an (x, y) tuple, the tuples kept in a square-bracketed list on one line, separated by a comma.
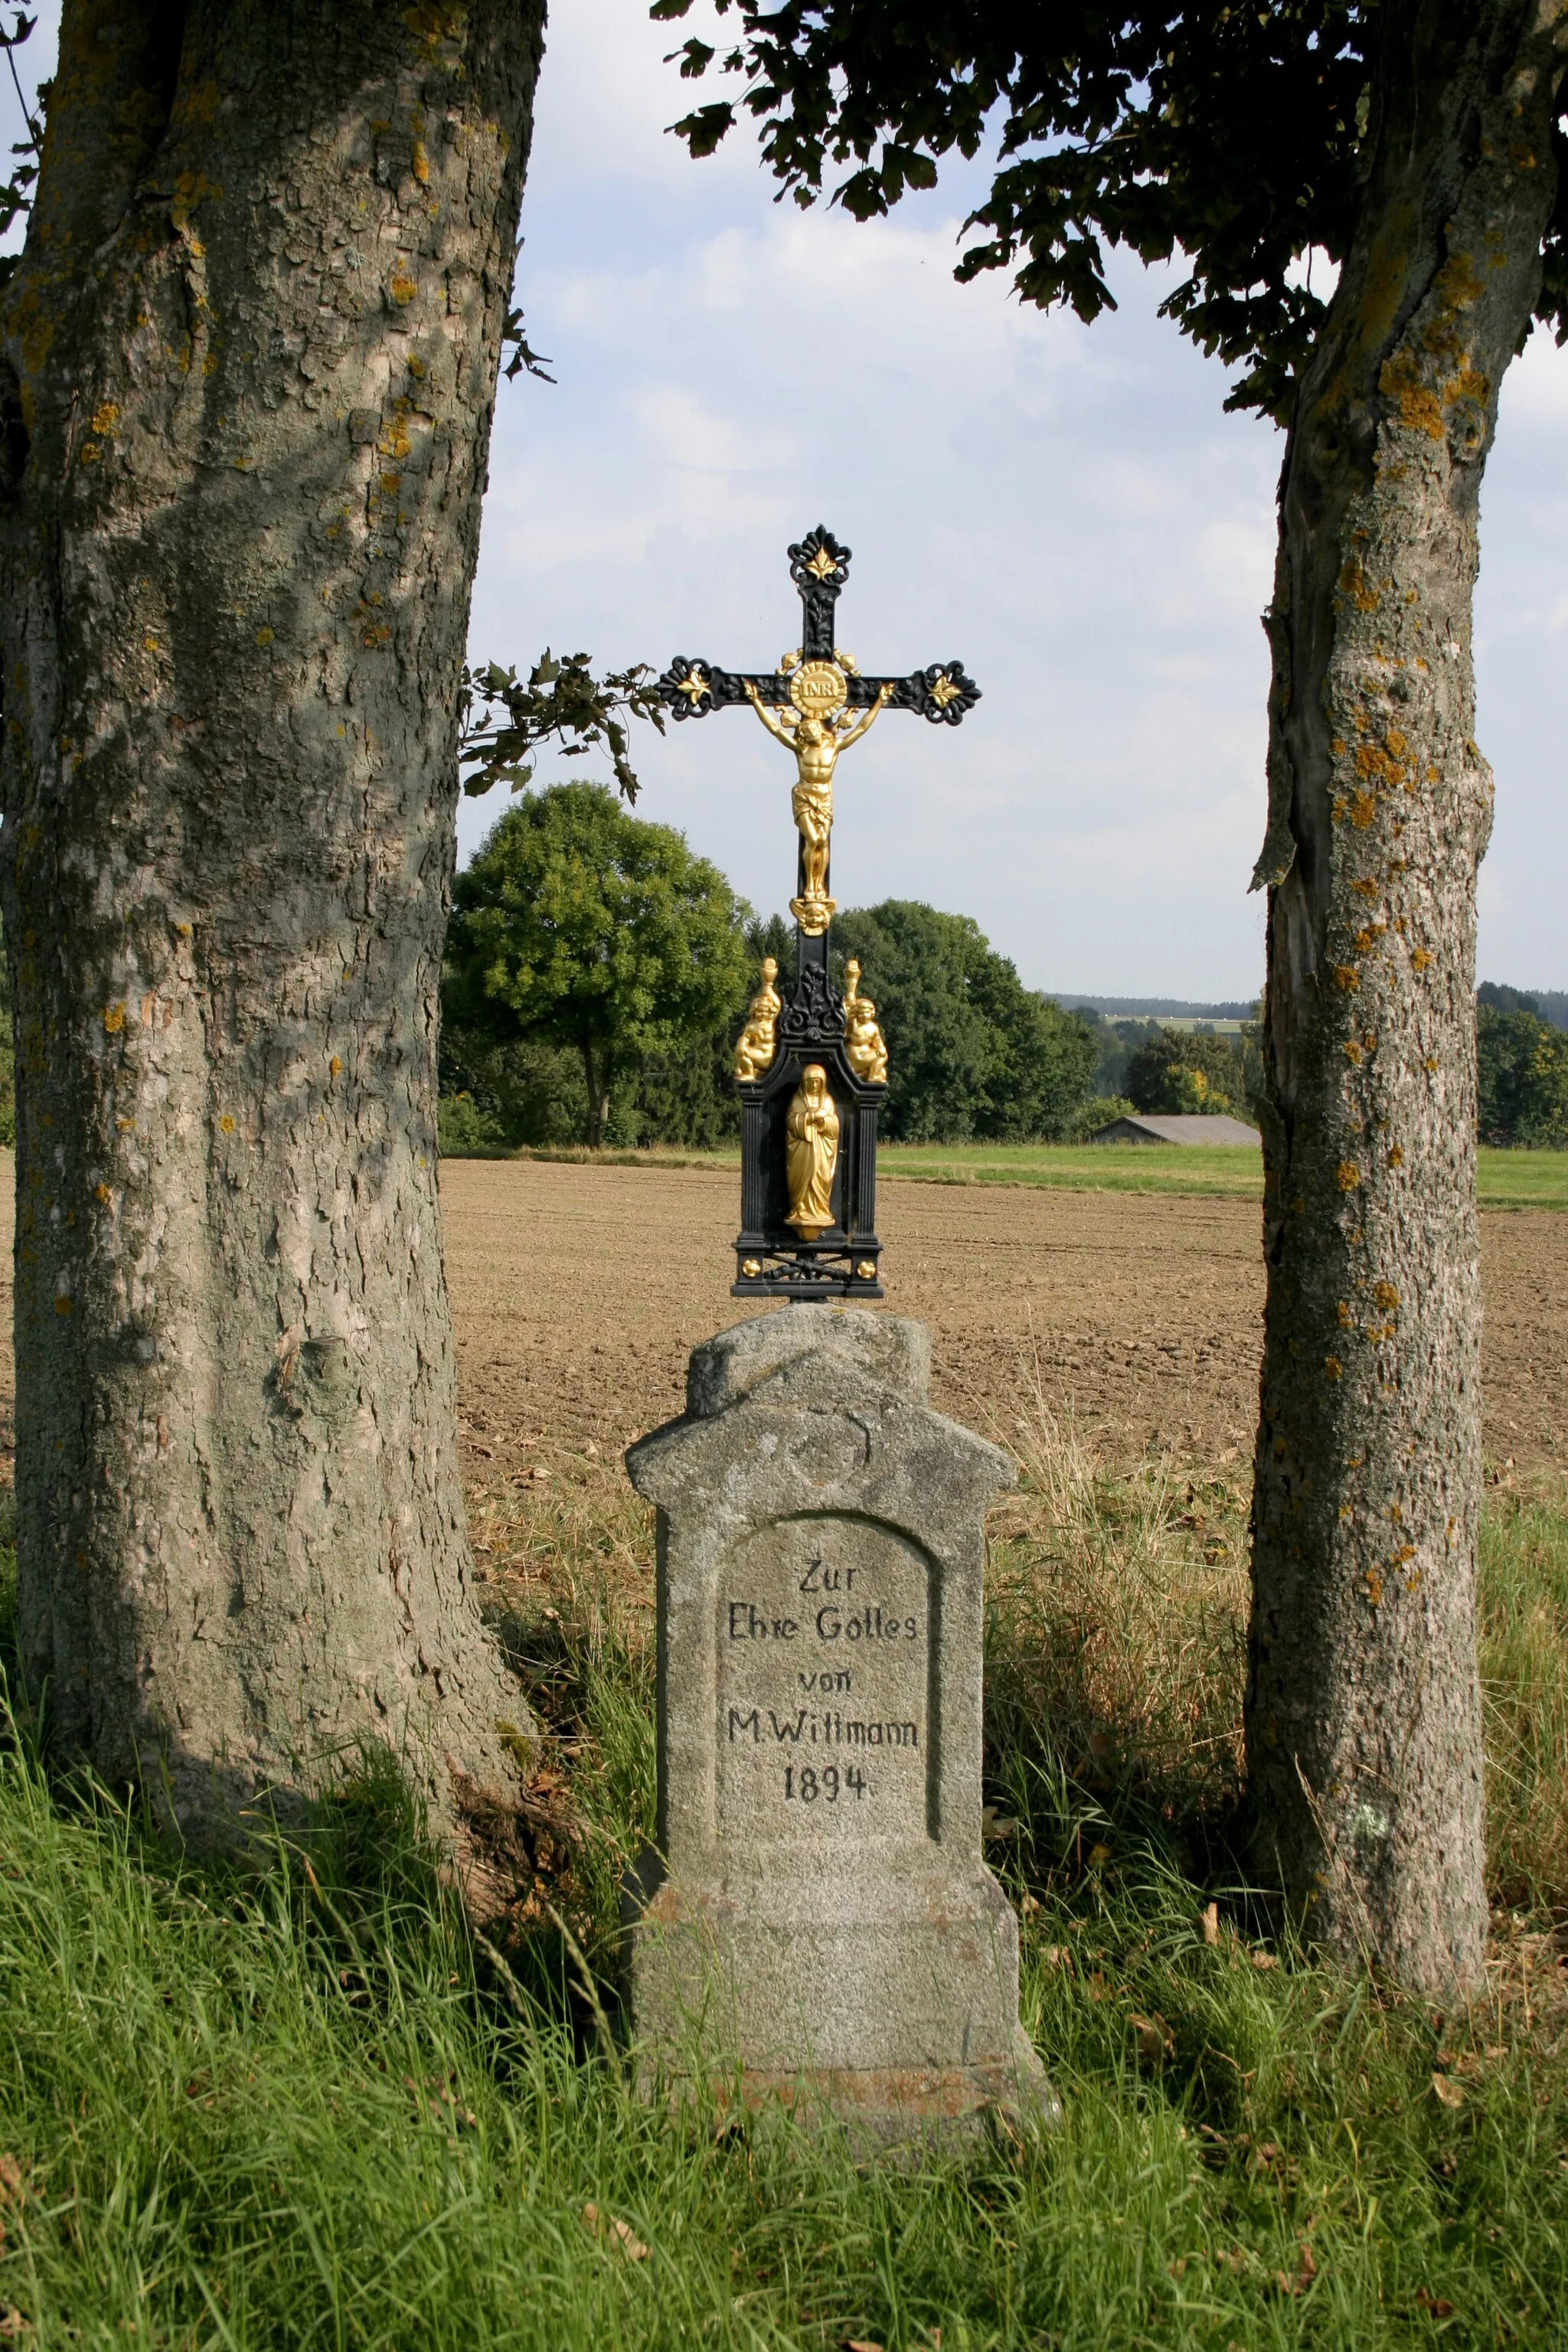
[(815, 1909)]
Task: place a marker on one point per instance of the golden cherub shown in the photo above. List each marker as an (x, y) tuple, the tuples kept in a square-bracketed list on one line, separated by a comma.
[(758, 1041), (815, 743), (863, 1041)]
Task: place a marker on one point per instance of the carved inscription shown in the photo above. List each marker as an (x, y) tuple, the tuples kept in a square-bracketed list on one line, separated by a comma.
[(824, 1642)]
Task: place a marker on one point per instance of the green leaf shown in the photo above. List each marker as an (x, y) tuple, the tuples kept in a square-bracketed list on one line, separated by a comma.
[(703, 130), (501, 719)]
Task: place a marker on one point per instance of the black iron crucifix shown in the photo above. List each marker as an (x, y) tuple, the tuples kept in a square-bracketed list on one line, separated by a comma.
[(812, 1070)]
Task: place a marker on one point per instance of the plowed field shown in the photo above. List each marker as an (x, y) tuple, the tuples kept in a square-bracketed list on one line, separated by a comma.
[(577, 1293)]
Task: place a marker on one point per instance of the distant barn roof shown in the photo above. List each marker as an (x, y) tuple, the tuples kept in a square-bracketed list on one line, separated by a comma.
[(1197, 1127)]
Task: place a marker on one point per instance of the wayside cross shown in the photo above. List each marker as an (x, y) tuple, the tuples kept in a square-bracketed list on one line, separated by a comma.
[(813, 1070)]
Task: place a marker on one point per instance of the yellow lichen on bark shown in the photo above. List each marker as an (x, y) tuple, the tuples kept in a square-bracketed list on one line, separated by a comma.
[(191, 189), (1416, 401), (1357, 587)]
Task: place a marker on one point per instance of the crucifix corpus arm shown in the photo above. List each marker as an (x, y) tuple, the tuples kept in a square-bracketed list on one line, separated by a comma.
[(853, 734), (775, 727)]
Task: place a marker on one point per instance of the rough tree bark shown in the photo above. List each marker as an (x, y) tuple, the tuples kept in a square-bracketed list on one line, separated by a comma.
[(1364, 1717), (599, 1095), (247, 372)]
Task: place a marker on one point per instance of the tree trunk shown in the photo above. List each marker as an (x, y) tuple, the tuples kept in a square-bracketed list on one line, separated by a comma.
[(594, 1072), (247, 372), (1364, 1717)]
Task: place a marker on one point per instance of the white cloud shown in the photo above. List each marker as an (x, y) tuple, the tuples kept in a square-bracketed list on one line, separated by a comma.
[(680, 430), (1535, 389)]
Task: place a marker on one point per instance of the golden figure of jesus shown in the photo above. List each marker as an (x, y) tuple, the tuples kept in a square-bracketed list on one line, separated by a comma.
[(816, 730)]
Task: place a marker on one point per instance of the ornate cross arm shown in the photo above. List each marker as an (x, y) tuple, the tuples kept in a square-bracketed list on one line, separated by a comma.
[(942, 693), (819, 566)]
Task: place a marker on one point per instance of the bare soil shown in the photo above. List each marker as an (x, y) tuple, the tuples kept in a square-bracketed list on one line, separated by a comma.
[(578, 1292)]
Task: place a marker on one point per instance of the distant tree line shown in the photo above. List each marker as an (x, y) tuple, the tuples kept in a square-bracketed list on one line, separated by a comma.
[(598, 973), (1549, 1004), (972, 1055), (1522, 1065)]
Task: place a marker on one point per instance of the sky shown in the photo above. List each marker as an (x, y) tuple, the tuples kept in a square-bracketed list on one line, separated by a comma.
[(1068, 509)]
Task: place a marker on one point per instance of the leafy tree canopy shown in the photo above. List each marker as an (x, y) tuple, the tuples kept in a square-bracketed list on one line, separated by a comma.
[(16, 193), (970, 1051), (1506, 1000), (1523, 1074), (1236, 134), (497, 1092), (582, 926), (1187, 1070)]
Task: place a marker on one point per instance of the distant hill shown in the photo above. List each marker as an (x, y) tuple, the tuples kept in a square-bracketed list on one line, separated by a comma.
[(1161, 1008), (1550, 1003)]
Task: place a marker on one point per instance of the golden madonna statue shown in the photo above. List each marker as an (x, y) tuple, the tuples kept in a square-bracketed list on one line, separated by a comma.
[(758, 1041), (863, 1040), (811, 1153)]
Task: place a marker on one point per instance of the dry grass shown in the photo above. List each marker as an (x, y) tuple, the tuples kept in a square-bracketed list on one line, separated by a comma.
[(1117, 1601), (1524, 1689), (568, 1534), (566, 1549), (1116, 1606)]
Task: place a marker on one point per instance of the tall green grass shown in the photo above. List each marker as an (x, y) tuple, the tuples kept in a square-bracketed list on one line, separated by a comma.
[(307, 2106)]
